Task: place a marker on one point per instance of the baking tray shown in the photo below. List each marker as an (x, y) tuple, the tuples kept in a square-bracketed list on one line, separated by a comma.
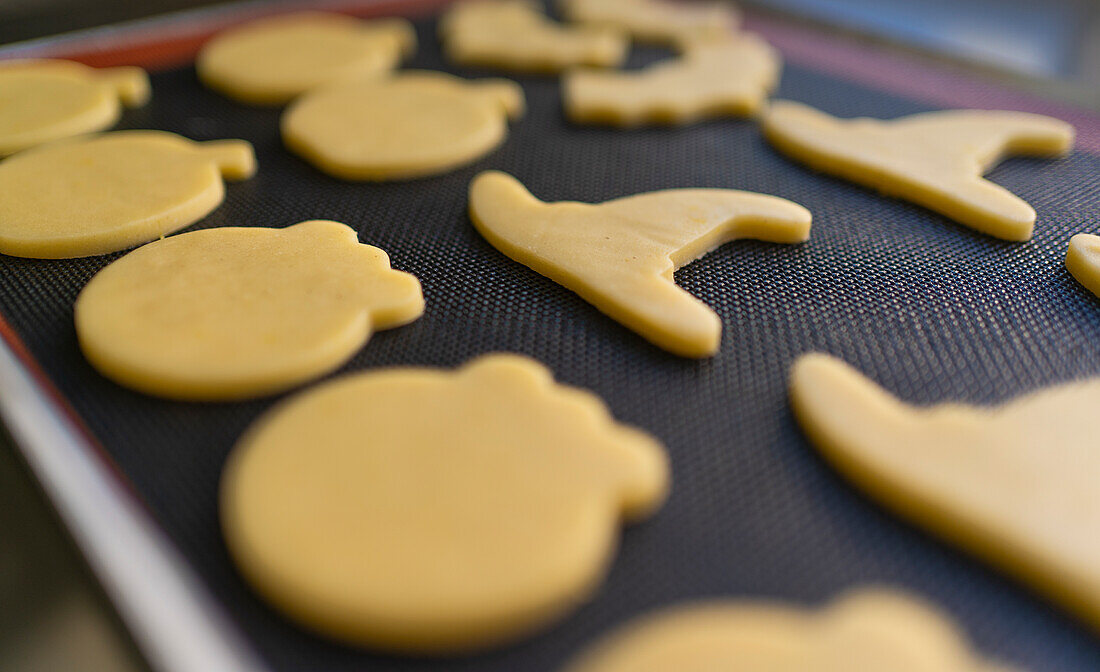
[(930, 309)]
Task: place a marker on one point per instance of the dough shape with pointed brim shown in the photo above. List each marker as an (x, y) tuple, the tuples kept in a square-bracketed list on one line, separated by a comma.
[(235, 312), (1013, 484), (934, 159), (93, 195), (516, 35), (620, 255), (865, 630), (711, 78), (410, 125), (1083, 261), (274, 60), (658, 21), (42, 100), (420, 510)]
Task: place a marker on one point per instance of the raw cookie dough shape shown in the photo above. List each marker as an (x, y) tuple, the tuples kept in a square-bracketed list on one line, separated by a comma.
[(1083, 261), (620, 255), (935, 159), (231, 313), (422, 510), (46, 100), (93, 195), (711, 78), (409, 125), (866, 629), (1013, 484), (657, 21), (273, 60), (516, 35)]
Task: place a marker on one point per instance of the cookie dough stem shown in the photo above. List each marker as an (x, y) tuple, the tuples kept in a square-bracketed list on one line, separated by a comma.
[(132, 84), (234, 158)]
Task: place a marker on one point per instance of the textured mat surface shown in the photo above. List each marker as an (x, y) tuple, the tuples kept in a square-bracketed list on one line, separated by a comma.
[(930, 309)]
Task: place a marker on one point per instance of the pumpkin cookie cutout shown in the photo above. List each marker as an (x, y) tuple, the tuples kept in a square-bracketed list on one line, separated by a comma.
[(273, 60), (46, 100), (419, 510), (100, 194), (867, 629), (657, 21), (232, 313), (711, 78), (1083, 261), (934, 159), (620, 255), (1013, 484), (516, 35), (410, 125)]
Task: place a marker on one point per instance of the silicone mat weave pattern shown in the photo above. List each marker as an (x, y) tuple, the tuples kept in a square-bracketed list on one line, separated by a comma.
[(931, 310)]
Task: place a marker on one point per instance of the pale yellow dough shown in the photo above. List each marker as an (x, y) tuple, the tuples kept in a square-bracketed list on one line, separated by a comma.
[(620, 255), (1014, 484), (46, 100), (231, 313), (409, 125), (516, 35), (273, 60), (866, 630), (711, 78), (935, 159), (658, 21), (93, 195), (422, 510), (1083, 261)]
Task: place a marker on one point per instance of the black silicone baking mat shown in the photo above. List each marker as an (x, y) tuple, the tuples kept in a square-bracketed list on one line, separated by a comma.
[(930, 309)]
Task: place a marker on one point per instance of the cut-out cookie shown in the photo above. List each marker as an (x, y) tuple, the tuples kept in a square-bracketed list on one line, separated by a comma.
[(1014, 484), (516, 35), (273, 60), (409, 125), (657, 21), (94, 195), (935, 159), (1083, 261), (620, 255), (427, 510), (236, 312), (711, 78), (46, 100), (867, 630)]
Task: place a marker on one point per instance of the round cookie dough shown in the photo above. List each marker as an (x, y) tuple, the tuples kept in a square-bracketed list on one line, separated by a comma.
[(233, 312), (45, 100), (105, 193), (420, 510), (409, 125), (273, 60)]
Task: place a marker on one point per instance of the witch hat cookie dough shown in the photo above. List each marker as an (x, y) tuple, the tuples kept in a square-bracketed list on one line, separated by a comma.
[(231, 313), (105, 193), (935, 159), (657, 21), (409, 125), (865, 630), (516, 35), (420, 510), (620, 255), (1083, 261), (46, 100), (1013, 483), (273, 60), (711, 78)]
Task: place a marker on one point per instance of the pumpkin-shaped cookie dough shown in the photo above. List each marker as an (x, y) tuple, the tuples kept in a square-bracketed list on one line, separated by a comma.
[(45, 100), (234, 312), (273, 60), (424, 510), (100, 194), (409, 125), (1083, 260)]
